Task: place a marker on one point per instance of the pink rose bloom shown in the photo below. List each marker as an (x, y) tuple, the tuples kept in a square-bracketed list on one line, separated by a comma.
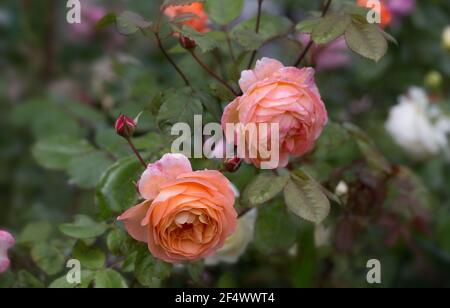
[(6, 242), (187, 215), (287, 96), (401, 7), (331, 56)]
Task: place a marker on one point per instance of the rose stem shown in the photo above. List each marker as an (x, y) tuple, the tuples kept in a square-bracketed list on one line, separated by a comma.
[(310, 43), (211, 72), (136, 152), (258, 23), (177, 68)]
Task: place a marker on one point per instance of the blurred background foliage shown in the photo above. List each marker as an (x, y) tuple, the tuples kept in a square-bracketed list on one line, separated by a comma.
[(61, 89)]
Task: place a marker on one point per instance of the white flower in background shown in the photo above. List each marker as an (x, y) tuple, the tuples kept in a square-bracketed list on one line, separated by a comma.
[(446, 37), (417, 126), (236, 244), (6, 242)]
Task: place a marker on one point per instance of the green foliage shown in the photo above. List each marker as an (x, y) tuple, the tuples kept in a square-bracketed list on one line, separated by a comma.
[(116, 190), (83, 227), (263, 188), (178, 107), (275, 229), (56, 153), (271, 26), (62, 163), (48, 258), (109, 278), (149, 271), (89, 257), (130, 22), (305, 198), (223, 12), (366, 40)]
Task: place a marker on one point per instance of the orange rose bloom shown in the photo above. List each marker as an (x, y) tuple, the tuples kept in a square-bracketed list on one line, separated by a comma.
[(198, 22), (386, 16), (187, 215)]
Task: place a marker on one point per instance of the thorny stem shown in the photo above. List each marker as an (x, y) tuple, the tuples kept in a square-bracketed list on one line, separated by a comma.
[(310, 43), (213, 74), (258, 23)]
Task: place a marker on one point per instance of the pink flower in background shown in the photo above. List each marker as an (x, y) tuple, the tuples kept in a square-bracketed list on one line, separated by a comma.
[(187, 215), (90, 15), (6, 242), (401, 8), (288, 96), (331, 56)]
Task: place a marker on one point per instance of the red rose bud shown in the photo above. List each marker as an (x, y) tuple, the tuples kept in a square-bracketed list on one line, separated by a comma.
[(125, 126), (187, 43), (232, 164)]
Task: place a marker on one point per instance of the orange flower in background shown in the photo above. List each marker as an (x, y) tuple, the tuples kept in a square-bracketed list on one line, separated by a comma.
[(187, 215), (198, 21), (386, 16)]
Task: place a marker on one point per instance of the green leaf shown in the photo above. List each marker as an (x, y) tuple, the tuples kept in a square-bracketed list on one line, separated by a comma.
[(264, 188), (86, 170), (56, 153), (306, 199), (84, 227), (109, 279), (130, 22), (247, 39), (330, 28), (47, 258), (366, 40), (179, 107), (89, 257), (116, 190), (271, 26), (115, 241), (107, 20), (149, 271), (275, 229), (87, 277), (35, 233), (374, 158), (307, 25), (83, 112), (223, 12)]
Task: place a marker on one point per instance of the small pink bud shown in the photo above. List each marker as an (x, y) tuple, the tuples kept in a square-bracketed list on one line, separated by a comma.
[(125, 126), (187, 43), (231, 164)]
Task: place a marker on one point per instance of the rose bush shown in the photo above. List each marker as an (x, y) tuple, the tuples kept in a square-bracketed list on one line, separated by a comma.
[(357, 176)]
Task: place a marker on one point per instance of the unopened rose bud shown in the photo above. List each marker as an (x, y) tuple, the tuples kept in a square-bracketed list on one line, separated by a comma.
[(187, 43), (446, 38), (232, 164), (433, 79), (125, 126)]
